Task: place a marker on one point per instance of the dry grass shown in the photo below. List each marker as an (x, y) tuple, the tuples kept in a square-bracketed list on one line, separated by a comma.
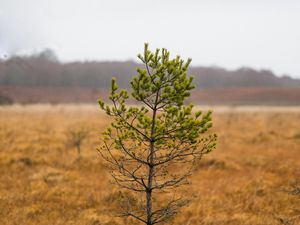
[(43, 182)]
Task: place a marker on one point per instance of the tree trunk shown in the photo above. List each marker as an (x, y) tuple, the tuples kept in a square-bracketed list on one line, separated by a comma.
[(151, 170), (149, 196), (78, 150)]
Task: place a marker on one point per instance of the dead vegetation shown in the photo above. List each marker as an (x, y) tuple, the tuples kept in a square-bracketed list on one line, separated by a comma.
[(252, 178), (76, 136)]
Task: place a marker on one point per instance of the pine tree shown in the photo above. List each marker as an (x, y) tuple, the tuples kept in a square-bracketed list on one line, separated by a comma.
[(152, 148)]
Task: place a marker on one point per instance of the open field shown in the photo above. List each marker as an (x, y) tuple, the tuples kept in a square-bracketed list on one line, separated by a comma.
[(246, 180)]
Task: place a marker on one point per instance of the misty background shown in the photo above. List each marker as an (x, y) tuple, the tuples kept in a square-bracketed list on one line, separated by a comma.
[(244, 52), (231, 34)]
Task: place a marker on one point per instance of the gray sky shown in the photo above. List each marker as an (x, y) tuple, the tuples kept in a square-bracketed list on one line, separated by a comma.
[(227, 33)]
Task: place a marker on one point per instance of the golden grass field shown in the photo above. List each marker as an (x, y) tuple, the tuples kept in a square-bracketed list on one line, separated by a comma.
[(246, 180)]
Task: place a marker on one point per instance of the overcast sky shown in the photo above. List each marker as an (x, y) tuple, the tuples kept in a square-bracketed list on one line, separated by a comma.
[(230, 34)]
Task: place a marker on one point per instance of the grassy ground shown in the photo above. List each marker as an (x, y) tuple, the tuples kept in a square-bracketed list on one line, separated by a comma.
[(245, 181)]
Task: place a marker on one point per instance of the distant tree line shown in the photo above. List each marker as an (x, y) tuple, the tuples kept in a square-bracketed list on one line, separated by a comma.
[(44, 69)]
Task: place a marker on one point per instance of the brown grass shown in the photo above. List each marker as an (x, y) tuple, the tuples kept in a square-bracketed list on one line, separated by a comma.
[(43, 182)]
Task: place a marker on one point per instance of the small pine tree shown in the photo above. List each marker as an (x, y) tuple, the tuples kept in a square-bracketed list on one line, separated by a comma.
[(151, 148), (75, 138)]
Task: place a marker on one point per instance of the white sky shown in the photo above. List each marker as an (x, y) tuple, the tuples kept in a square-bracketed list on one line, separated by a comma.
[(227, 33)]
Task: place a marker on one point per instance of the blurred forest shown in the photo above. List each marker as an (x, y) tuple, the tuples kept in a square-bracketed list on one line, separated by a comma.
[(31, 79)]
